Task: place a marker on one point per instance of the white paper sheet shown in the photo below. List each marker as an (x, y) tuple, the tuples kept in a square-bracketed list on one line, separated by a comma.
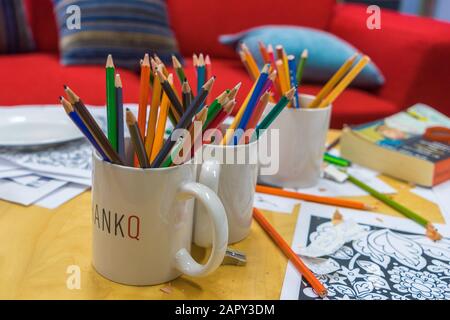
[(61, 195), (293, 281), (26, 195), (26, 180), (274, 203), (13, 173)]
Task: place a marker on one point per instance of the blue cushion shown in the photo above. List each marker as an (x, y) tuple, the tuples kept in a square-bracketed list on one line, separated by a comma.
[(326, 52), (125, 29)]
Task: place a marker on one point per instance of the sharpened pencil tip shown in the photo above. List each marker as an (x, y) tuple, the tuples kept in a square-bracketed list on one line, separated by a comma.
[(109, 61)]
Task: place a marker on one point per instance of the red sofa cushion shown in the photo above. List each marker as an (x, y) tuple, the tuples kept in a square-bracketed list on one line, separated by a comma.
[(412, 52), (197, 24), (38, 79), (43, 24)]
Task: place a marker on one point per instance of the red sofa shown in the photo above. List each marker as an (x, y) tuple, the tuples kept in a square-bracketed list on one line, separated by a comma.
[(413, 54)]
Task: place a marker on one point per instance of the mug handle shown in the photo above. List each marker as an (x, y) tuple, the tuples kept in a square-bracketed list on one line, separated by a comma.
[(216, 212)]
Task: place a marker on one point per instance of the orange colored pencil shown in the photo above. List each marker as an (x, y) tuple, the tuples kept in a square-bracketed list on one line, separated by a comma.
[(144, 89), (290, 254), (264, 53), (318, 199)]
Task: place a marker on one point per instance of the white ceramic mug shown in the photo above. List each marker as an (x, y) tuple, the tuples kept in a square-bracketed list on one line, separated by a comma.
[(234, 182), (302, 138), (143, 221)]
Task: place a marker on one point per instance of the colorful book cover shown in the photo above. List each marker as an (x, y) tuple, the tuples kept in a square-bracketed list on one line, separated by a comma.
[(404, 131)]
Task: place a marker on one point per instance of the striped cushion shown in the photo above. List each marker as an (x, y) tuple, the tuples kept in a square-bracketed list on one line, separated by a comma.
[(126, 29), (15, 33)]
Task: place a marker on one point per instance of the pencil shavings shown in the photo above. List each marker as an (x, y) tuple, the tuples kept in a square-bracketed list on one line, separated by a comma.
[(166, 289), (330, 238), (337, 218), (432, 233), (321, 266)]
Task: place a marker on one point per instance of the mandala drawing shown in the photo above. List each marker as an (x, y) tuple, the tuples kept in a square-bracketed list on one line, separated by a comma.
[(384, 264)]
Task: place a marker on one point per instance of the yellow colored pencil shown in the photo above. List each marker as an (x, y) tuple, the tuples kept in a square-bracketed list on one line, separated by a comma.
[(161, 126), (333, 81), (237, 119), (151, 123), (353, 73), (251, 61)]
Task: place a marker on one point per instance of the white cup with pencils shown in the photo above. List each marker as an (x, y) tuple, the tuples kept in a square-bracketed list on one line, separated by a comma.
[(234, 182), (302, 138), (142, 223)]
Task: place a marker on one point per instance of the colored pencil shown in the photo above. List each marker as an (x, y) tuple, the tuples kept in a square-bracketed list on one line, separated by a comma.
[(161, 125), (261, 106), (391, 203), (144, 90), (111, 106), (161, 64), (178, 69), (252, 102), (218, 120), (186, 143), (336, 160), (257, 113), (250, 60), (271, 116), (156, 100), (215, 107), (281, 76), (264, 53), (290, 254), (136, 139), (82, 126), (208, 74), (230, 131), (301, 66), (92, 125), (120, 124), (349, 77), (333, 81), (292, 67), (166, 86), (333, 144), (245, 63), (233, 92), (186, 94), (312, 198), (201, 72), (184, 122)]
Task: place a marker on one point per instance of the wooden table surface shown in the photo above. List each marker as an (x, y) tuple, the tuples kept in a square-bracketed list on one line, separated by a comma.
[(38, 245)]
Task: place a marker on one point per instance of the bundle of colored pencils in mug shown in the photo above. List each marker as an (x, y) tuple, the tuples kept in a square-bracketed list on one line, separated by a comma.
[(179, 106), (289, 73)]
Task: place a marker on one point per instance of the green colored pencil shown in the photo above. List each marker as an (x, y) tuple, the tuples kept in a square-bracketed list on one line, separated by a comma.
[(391, 203), (301, 66), (111, 106), (266, 122), (336, 160), (215, 107)]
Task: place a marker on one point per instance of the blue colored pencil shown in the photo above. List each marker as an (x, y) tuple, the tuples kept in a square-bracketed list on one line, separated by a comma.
[(260, 82), (80, 124), (201, 73), (120, 127), (292, 77)]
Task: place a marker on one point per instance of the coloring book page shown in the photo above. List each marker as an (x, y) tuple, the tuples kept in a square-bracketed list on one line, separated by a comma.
[(391, 260)]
